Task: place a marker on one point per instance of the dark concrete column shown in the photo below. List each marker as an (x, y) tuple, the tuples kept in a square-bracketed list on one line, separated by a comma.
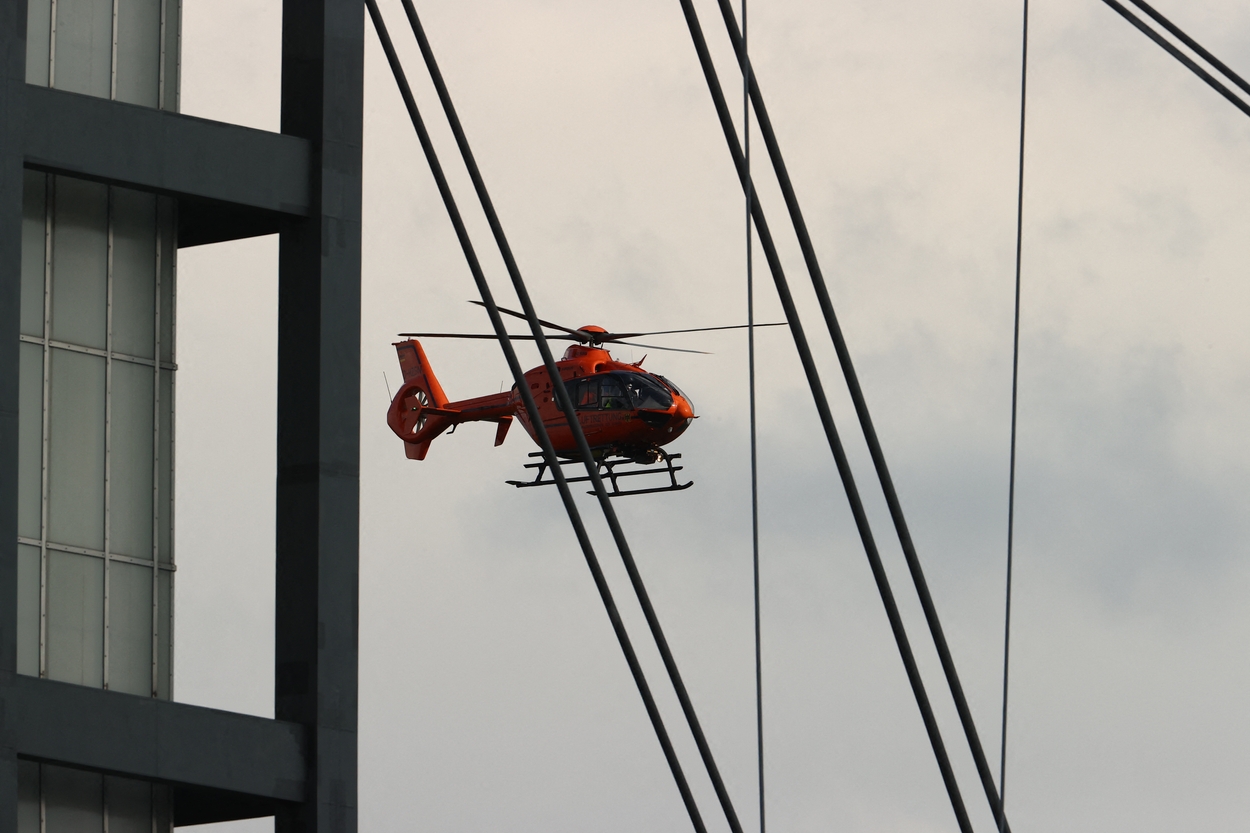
[(12, 120), (12, 105), (318, 410)]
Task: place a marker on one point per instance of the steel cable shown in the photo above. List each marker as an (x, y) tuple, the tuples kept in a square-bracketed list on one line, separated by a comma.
[(822, 407), (1191, 43), (869, 430), (755, 499), (1015, 379), (755, 490), (566, 404), (531, 409), (1181, 56)]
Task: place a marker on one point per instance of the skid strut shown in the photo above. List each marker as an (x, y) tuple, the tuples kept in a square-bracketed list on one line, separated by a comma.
[(610, 471)]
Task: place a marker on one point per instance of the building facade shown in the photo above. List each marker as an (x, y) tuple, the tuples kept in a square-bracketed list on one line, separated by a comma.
[(95, 419), (101, 182)]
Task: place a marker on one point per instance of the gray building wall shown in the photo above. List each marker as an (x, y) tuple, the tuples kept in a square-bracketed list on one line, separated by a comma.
[(95, 471), (230, 182)]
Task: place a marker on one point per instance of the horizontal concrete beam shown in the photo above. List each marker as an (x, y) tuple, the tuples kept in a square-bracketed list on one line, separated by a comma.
[(232, 181), (154, 740)]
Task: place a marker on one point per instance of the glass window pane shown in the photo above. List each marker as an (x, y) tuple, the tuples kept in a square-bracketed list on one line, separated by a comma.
[(134, 273), (130, 476), (34, 250), (130, 628), (73, 799), (28, 610), (130, 805), (644, 392), (173, 27), (76, 450), (38, 29), (165, 640), (586, 394), (79, 262), (30, 442), (76, 619), (165, 507), (27, 797), (138, 51), (84, 46), (611, 396)]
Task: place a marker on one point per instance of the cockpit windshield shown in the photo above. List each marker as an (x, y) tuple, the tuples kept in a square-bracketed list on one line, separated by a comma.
[(644, 393), (676, 389)]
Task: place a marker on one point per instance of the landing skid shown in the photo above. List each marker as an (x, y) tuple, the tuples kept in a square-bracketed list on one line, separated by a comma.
[(610, 471)]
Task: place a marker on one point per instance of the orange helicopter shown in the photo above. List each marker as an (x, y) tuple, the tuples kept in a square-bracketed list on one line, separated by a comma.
[(627, 414)]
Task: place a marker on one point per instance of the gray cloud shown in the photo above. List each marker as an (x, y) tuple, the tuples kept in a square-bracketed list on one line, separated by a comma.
[(492, 692)]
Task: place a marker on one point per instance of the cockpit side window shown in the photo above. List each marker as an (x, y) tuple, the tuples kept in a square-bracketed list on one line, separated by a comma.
[(618, 392), (612, 395), (584, 393)]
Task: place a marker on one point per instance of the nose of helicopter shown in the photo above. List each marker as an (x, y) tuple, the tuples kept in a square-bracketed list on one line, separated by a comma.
[(684, 411)]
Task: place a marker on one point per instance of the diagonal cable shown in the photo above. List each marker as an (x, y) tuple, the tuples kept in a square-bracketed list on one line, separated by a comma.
[(1191, 43), (1181, 56), (592, 470), (531, 409), (869, 431), (826, 417)]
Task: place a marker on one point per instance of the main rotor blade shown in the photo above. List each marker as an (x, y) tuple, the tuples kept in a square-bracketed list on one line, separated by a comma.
[(619, 336), (490, 336), (657, 347), (522, 316)]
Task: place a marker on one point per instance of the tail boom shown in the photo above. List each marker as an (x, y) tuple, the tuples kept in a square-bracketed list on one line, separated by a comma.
[(420, 411)]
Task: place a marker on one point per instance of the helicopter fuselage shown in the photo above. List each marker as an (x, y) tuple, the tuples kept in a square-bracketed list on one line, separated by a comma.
[(622, 409), (620, 406)]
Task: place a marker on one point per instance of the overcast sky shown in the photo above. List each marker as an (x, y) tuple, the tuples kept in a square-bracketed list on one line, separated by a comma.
[(493, 695)]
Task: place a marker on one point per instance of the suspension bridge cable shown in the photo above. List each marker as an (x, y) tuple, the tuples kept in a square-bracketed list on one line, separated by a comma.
[(755, 492), (1191, 43), (531, 409), (605, 502), (826, 418), (1182, 57), (869, 431), (1015, 379)]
